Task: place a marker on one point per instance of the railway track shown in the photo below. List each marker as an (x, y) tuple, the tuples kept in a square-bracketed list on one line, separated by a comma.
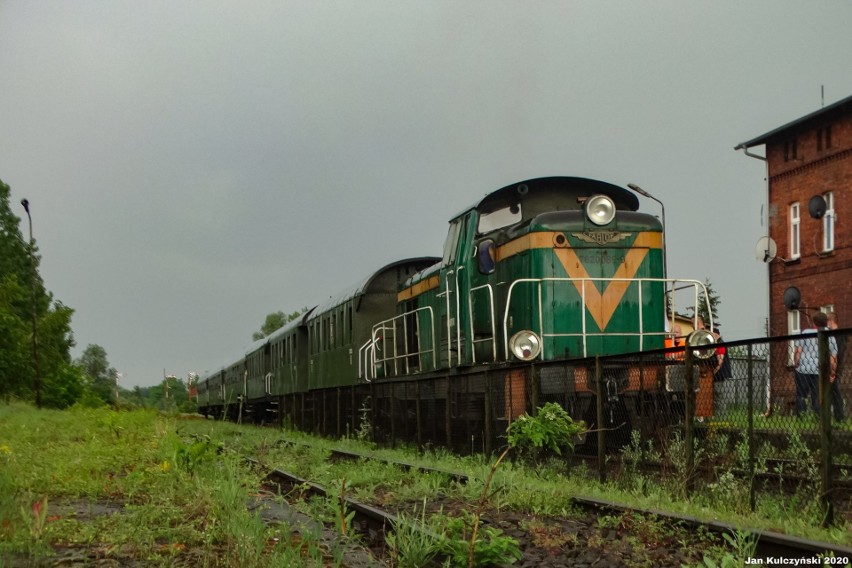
[(769, 545)]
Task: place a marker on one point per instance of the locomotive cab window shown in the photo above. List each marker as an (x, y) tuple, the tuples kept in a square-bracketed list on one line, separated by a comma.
[(452, 241), (500, 218), (486, 255)]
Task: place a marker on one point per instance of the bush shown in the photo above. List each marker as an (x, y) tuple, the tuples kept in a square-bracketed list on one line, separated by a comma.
[(551, 428)]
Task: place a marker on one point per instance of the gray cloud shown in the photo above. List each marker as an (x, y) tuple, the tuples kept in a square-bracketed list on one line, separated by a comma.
[(193, 167)]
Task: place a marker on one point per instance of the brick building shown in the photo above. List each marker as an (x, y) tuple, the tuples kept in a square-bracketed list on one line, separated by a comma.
[(808, 159)]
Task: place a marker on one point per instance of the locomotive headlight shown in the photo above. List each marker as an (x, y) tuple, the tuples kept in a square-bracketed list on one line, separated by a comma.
[(600, 209), (525, 345), (704, 339)]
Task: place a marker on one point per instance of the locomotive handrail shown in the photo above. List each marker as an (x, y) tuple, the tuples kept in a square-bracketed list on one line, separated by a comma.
[(449, 319), (458, 318), (367, 352), (695, 284), (473, 341)]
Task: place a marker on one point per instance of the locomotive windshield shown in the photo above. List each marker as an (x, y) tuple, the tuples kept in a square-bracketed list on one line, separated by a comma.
[(500, 218), (451, 242)]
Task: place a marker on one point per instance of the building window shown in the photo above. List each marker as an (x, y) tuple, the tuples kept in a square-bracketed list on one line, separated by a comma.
[(795, 248), (828, 223), (793, 328), (791, 151), (824, 138)]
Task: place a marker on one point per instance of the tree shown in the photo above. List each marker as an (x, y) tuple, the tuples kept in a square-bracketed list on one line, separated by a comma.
[(23, 298), (100, 377), (276, 320), (15, 354), (714, 301)]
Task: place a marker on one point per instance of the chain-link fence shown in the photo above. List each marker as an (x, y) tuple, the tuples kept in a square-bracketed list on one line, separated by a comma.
[(774, 412)]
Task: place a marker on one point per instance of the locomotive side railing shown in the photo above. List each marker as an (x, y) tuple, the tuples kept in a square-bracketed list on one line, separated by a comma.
[(383, 348), (699, 289)]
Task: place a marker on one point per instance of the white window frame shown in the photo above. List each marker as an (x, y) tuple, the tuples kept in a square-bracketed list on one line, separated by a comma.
[(795, 231), (794, 327), (828, 222)]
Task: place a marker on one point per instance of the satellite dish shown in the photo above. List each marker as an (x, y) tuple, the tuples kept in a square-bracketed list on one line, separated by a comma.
[(792, 298), (766, 249), (816, 207)]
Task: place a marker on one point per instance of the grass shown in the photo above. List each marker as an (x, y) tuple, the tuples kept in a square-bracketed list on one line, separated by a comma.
[(156, 490), (94, 483), (548, 489)]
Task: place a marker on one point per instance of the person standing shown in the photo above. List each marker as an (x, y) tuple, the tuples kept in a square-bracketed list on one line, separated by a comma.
[(834, 393), (806, 364), (721, 373)]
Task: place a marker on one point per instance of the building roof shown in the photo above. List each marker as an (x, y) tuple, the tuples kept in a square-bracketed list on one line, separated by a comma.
[(763, 138)]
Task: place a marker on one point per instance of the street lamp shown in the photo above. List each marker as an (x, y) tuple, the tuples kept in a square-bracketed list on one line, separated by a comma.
[(641, 191), (36, 366)]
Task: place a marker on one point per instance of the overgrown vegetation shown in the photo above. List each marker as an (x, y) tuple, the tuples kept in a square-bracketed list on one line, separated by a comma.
[(150, 488), (89, 484)]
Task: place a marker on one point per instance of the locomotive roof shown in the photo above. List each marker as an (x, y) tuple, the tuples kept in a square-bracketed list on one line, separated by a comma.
[(572, 187), (364, 285)]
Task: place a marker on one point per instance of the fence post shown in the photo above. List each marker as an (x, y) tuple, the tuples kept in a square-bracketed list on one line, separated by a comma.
[(353, 410), (641, 386), (600, 419), (534, 386), (323, 411), (750, 427), (689, 419), (448, 416), (417, 411), (338, 425), (374, 429), (489, 427), (392, 414), (825, 428)]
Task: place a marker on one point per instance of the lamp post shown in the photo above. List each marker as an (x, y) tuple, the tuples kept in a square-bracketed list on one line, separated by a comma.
[(192, 378), (36, 366), (117, 376), (168, 385), (641, 191)]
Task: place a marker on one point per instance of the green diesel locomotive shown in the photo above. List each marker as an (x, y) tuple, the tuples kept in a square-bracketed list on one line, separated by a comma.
[(549, 269)]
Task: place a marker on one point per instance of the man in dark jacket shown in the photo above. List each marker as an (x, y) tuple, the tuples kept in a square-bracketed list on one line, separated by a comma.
[(834, 393)]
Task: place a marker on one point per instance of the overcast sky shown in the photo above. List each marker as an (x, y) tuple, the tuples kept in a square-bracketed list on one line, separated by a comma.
[(194, 166)]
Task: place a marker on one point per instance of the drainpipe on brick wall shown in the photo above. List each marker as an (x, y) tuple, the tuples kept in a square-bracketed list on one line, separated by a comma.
[(744, 148)]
